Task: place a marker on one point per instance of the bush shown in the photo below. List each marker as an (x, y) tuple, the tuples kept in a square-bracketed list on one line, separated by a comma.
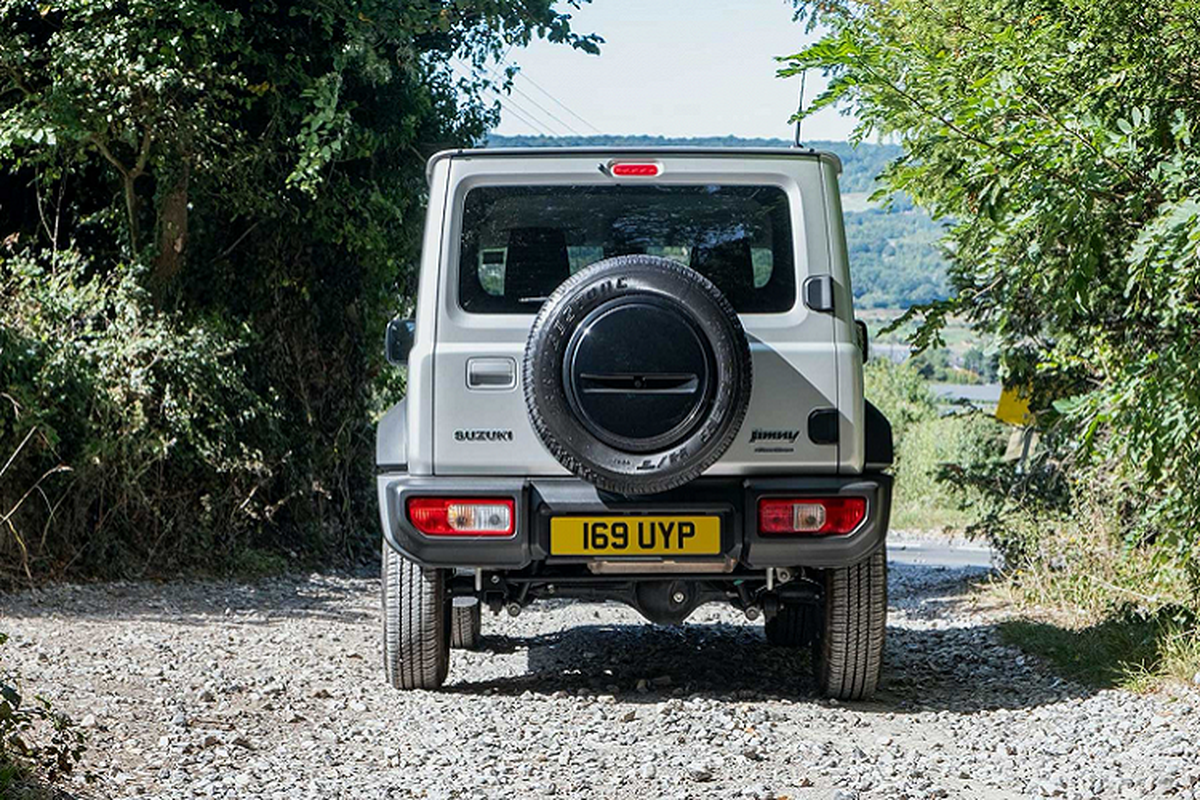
[(900, 393), (26, 756), (932, 450), (1062, 140), (127, 435), (930, 447)]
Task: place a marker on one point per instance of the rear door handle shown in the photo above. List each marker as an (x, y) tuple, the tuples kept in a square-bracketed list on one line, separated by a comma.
[(818, 292), (491, 373)]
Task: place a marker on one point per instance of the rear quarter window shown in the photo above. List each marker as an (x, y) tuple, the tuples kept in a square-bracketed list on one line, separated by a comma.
[(520, 242)]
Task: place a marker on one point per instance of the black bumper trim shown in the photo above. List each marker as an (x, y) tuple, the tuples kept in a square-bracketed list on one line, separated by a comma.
[(538, 499)]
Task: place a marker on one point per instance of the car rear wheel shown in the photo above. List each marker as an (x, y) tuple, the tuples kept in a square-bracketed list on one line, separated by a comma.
[(850, 652), (416, 623), (794, 625), (466, 627)]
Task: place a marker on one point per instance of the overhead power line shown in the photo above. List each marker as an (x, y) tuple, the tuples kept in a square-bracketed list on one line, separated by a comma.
[(545, 110), (510, 106), (558, 102), (502, 64), (539, 129)]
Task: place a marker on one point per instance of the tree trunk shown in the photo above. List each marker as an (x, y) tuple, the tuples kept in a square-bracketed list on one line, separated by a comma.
[(172, 236), (127, 181)]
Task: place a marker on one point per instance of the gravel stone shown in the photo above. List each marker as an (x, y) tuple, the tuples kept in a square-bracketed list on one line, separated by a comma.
[(282, 698)]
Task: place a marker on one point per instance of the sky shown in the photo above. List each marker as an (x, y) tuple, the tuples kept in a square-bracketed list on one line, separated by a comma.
[(670, 68)]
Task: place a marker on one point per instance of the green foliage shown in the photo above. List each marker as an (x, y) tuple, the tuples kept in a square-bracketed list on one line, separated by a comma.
[(136, 426), (1100, 613), (895, 258), (1060, 138), (900, 393), (25, 752), (933, 449), (224, 201), (929, 446), (1131, 650)]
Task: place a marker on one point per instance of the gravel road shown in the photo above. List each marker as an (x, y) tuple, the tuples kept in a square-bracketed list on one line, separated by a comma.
[(275, 690)]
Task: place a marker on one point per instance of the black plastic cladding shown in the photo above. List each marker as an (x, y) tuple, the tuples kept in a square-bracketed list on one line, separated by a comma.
[(736, 500), (638, 373)]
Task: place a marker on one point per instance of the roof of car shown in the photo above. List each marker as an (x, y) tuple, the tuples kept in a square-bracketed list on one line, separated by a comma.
[(637, 152)]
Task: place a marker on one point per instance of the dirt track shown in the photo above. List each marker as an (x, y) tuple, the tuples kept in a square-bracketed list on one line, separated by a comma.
[(275, 690)]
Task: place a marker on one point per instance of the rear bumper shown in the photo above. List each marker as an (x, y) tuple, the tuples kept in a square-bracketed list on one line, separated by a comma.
[(539, 499)]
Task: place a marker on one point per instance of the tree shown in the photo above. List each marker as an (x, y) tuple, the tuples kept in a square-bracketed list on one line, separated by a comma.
[(1060, 138), (257, 167), (179, 98)]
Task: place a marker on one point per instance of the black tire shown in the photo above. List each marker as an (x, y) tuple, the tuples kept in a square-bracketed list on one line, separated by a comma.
[(466, 627), (416, 623), (796, 625), (686, 330), (850, 653)]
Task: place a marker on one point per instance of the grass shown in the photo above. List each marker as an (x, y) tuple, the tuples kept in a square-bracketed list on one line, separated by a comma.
[(252, 563), (1100, 613), (921, 501), (1129, 653), (910, 512), (15, 783)]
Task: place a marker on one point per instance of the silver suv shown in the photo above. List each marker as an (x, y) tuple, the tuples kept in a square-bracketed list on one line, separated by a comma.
[(634, 375)]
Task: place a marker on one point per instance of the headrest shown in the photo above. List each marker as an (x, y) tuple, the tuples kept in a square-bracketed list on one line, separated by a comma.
[(536, 263), (730, 266)]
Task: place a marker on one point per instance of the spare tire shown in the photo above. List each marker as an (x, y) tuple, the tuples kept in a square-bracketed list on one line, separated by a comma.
[(637, 374)]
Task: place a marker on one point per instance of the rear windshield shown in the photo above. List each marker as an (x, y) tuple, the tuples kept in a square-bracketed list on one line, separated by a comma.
[(520, 242)]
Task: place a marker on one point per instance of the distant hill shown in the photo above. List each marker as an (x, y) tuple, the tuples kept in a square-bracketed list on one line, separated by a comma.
[(894, 258)]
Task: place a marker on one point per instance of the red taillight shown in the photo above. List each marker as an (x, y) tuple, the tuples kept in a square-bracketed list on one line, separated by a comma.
[(628, 170), (815, 515), (462, 516)]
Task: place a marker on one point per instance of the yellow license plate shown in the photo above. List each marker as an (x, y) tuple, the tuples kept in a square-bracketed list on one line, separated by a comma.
[(635, 536)]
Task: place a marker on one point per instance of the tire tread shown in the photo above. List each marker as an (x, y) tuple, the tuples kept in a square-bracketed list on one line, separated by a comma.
[(642, 484), (416, 625), (466, 627), (850, 657)]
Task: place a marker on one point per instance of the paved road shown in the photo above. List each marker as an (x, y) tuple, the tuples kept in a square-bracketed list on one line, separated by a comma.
[(935, 553)]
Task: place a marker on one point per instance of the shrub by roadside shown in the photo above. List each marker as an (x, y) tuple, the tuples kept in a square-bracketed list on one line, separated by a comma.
[(37, 744), (1107, 600), (1061, 143), (1106, 603), (1103, 610), (246, 205), (126, 436), (927, 442)]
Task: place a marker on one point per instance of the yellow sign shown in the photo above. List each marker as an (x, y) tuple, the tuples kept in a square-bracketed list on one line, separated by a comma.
[(1013, 407), (635, 536)]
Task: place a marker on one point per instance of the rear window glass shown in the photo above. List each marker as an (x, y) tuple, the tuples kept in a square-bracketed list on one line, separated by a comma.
[(520, 242)]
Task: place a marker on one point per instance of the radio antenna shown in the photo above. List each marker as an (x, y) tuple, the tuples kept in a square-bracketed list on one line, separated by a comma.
[(800, 107)]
